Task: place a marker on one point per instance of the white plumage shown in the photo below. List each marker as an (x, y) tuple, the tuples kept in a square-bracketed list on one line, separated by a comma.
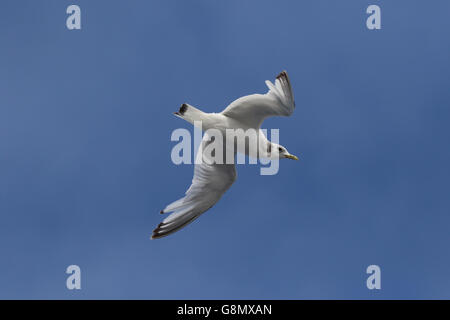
[(211, 180)]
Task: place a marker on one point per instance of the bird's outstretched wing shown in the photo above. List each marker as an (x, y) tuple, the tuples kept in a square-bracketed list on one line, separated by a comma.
[(210, 182), (253, 109)]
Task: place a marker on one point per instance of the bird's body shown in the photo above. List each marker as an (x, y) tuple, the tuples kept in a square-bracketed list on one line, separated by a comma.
[(225, 123), (211, 179)]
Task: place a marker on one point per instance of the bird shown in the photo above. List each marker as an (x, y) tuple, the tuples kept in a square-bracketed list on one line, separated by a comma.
[(213, 178)]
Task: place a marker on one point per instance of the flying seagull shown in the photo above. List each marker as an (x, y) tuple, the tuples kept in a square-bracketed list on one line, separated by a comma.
[(211, 180)]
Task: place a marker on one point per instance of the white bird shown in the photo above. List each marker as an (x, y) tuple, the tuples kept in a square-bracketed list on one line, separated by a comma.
[(211, 180)]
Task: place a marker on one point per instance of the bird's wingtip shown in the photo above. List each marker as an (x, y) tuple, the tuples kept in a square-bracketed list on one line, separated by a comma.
[(154, 236), (183, 108), (282, 74), (181, 111), (156, 233)]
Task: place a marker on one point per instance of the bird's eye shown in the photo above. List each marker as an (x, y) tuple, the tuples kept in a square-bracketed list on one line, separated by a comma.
[(280, 150)]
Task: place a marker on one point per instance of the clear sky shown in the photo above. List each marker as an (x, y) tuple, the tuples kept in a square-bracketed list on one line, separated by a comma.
[(85, 125)]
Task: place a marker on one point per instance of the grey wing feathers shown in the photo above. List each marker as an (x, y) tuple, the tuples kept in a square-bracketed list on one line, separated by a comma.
[(208, 185), (282, 91), (253, 109)]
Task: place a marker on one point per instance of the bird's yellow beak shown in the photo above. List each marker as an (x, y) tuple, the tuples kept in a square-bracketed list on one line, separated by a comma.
[(291, 156)]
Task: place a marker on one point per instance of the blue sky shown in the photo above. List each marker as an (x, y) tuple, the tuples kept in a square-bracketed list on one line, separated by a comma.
[(85, 125)]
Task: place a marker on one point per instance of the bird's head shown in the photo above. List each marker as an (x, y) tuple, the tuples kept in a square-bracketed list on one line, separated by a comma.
[(282, 152)]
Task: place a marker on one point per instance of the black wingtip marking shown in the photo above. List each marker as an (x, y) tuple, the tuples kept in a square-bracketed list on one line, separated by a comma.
[(158, 233), (282, 74), (161, 212), (183, 108), (154, 236)]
